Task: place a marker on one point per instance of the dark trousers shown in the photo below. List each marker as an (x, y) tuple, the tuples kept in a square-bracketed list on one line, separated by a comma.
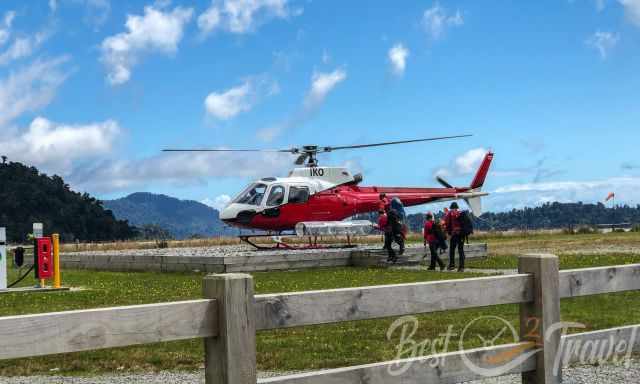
[(433, 249), (457, 241), (389, 238)]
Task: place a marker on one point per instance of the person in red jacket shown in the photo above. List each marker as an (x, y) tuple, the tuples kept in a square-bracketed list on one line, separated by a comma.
[(384, 202), (431, 238), (382, 221), (384, 226), (454, 229)]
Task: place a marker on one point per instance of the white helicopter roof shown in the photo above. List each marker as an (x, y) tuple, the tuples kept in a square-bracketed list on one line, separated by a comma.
[(318, 178)]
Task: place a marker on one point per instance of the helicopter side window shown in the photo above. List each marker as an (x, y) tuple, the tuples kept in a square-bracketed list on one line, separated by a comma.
[(252, 195), (276, 196), (298, 194)]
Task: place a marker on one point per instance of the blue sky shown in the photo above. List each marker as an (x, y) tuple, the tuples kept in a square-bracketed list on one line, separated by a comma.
[(94, 89)]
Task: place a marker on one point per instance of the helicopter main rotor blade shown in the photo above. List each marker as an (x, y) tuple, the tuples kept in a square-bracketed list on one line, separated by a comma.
[(329, 149)]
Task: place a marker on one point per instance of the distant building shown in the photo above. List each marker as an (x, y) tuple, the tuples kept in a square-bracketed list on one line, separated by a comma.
[(607, 228)]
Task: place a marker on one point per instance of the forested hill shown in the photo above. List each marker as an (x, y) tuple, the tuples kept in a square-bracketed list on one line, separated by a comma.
[(550, 216), (181, 218), (28, 196)]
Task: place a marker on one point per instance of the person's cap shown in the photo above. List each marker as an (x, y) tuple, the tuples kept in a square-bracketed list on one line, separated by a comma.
[(454, 205)]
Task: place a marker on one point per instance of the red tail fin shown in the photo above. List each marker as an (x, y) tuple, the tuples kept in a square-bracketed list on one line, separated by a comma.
[(478, 181)]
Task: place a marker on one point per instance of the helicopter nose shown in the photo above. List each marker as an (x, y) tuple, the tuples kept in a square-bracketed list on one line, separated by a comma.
[(229, 213)]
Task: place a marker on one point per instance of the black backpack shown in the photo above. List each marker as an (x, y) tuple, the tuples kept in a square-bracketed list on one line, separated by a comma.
[(466, 224), (394, 220), (437, 231)]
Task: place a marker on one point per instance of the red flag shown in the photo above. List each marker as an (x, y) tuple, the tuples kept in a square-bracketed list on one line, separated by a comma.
[(610, 196)]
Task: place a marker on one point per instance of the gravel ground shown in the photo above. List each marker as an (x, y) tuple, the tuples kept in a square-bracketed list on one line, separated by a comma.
[(606, 374), (218, 251)]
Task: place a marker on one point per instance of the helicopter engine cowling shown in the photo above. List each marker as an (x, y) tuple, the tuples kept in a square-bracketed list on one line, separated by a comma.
[(329, 228)]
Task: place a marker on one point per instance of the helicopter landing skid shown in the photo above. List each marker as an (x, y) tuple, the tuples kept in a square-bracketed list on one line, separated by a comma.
[(278, 243)]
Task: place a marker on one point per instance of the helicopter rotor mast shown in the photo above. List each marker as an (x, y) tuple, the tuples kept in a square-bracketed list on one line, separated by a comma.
[(309, 153)]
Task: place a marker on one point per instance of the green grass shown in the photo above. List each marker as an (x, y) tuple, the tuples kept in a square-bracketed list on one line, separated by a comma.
[(566, 261), (313, 347)]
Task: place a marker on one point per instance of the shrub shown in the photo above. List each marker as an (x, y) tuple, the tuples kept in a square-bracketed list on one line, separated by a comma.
[(585, 230)]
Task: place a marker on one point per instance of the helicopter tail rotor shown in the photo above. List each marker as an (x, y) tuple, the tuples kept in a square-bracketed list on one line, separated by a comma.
[(443, 182)]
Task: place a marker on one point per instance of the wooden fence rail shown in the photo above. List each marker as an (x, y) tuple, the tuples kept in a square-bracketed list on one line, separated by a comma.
[(75, 331), (230, 314)]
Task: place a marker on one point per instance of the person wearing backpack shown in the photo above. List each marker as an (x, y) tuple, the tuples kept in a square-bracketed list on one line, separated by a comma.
[(433, 237), (466, 226), (454, 229), (383, 226), (394, 224)]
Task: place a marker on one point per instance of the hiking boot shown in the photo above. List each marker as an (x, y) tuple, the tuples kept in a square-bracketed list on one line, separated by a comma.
[(431, 268), (461, 269), (451, 267)]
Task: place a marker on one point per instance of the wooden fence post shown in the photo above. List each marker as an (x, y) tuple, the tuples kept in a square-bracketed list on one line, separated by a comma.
[(230, 358), (538, 316)]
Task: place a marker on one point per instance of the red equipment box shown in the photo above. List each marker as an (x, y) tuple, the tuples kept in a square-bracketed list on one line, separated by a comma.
[(45, 259)]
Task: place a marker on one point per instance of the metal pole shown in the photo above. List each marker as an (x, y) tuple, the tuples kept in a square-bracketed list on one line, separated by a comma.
[(38, 232), (3, 259), (57, 282)]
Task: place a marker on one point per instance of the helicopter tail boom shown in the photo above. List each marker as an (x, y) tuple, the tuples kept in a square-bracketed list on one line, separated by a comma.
[(481, 175)]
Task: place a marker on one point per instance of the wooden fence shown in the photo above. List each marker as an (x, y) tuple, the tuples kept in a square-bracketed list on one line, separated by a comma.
[(229, 316)]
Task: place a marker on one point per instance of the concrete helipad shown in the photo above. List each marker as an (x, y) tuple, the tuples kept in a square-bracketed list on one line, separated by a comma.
[(222, 259)]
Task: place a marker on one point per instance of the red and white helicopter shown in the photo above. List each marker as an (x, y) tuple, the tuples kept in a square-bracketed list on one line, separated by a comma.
[(322, 197)]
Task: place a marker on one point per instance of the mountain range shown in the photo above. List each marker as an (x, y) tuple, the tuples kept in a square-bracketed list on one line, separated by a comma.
[(181, 218)]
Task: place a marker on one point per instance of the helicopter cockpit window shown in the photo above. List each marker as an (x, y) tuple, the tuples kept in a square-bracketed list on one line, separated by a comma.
[(252, 195), (298, 194), (276, 197)]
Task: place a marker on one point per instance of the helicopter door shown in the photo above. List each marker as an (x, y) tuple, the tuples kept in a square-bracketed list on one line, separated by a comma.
[(275, 200)]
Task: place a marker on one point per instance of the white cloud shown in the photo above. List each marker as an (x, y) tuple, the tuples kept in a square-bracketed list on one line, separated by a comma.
[(209, 19), (632, 10), (30, 88), (228, 104), (53, 5), (321, 85), (520, 195), (56, 146), (242, 16), (437, 19), (398, 58), (464, 164), (5, 26), (155, 31), (23, 47), (604, 42), (469, 162), (177, 168), (218, 203)]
